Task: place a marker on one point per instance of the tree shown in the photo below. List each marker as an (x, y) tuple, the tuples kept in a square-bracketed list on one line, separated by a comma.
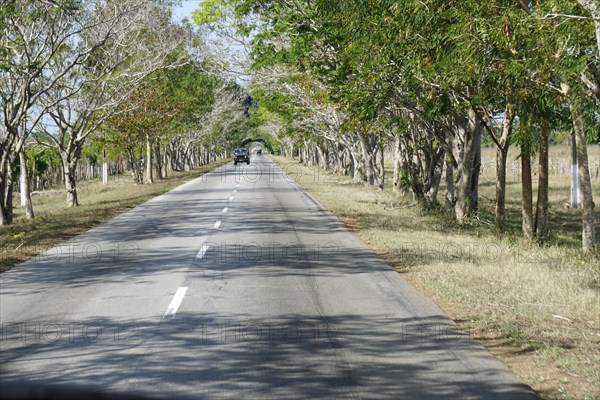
[(133, 39), (32, 34), (577, 28), (431, 77), (170, 106)]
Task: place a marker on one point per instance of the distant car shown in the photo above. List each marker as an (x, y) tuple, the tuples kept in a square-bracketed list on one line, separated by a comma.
[(259, 152), (241, 154)]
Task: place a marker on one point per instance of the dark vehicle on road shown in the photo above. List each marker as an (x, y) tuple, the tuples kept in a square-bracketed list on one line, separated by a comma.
[(241, 154), (259, 152)]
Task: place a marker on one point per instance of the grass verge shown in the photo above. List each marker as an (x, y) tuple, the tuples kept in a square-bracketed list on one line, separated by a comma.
[(535, 308), (54, 223)]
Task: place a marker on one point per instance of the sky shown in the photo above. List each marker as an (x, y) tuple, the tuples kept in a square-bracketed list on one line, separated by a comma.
[(185, 10)]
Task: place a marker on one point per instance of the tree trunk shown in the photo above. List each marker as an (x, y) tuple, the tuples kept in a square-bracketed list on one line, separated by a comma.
[(397, 178), (450, 196), (471, 137), (8, 192), (159, 163), (25, 190), (3, 182), (351, 166), (435, 178), (502, 146), (367, 157), (527, 191), (104, 173), (574, 173), (541, 209), (315, 160), (69, 169), (358, 172), (381, 169), (186, 154), (149, 166), (588, 234), (4, 215), (6, 212), (500, 210), (474, 190)]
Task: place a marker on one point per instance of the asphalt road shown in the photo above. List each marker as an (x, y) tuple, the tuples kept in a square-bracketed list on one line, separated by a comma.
[(235, 285)]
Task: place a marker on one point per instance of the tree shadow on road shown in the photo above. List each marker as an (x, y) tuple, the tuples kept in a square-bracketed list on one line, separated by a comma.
[(242, 356)]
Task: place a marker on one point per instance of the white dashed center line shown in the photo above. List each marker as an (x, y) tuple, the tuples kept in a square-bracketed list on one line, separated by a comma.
[(235, 191), (176, 302), (217, 224), (225, 210), (231, 198), (202, 252)]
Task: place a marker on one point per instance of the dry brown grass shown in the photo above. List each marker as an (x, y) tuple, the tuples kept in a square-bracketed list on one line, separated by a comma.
[(535, 307)]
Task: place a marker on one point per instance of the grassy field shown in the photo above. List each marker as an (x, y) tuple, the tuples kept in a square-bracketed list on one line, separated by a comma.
[(55, 223), (536, 308)]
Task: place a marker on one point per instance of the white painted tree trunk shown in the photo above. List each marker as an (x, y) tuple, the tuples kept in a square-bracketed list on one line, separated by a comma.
[(588, 234), (574, 174), (25, 190), (105, 173)]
